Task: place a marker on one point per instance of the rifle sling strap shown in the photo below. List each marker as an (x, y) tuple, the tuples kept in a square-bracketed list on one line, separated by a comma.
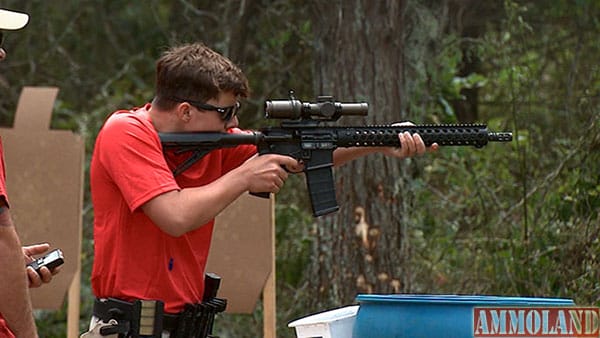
[(194, 157)]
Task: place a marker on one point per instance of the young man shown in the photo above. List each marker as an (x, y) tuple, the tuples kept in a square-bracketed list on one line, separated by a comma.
[(152, 231), (16, 318)]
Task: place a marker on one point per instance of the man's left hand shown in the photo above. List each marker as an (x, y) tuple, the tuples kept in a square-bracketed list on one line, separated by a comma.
[(410, 144)]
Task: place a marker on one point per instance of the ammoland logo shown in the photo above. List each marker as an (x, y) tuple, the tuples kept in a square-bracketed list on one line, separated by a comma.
[(536, 321)]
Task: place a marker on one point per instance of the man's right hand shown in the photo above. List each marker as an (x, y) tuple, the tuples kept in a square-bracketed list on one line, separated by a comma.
[(267, 173)]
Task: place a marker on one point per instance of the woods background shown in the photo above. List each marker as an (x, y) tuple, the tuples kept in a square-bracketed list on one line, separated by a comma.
[(510, 219)]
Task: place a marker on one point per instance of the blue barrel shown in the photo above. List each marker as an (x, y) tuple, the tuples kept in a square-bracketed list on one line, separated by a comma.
[(416, 316)]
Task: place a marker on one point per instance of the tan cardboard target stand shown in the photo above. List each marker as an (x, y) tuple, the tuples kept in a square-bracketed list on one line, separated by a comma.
[(44, 171), (243, 255)]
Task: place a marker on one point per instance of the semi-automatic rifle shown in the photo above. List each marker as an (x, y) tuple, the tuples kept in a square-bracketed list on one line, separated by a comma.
[(300, 136)]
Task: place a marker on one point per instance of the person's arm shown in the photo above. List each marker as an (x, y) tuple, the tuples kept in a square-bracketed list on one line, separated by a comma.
[(179, 211), (15, 304)]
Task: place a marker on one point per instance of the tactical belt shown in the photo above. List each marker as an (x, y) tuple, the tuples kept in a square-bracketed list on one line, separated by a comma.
[(146, 318)]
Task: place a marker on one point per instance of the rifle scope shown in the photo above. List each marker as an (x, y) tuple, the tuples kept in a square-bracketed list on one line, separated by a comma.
[(324, 109)]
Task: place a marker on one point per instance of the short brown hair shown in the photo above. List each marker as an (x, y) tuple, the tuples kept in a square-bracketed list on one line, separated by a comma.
[(196, 72)]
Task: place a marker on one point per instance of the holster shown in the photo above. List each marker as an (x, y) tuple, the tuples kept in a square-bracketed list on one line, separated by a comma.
[(196, 320)]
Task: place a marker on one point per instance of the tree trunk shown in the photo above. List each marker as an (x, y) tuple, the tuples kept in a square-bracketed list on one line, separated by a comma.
[(364, 247), (469, 19)]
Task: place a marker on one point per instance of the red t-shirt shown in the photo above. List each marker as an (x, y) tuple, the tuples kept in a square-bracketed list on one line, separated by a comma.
[(2, 175), (4, 330), (134, 258)]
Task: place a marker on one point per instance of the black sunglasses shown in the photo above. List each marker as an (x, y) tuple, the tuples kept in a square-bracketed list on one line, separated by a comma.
[(1, 38), (227, 113)]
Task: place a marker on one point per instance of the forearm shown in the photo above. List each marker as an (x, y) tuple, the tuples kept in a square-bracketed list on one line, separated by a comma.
[(14, 293), (206, 202), (342, 156), (178, 212)]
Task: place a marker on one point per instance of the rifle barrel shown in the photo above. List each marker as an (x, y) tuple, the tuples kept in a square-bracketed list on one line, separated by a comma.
[(500, 137)]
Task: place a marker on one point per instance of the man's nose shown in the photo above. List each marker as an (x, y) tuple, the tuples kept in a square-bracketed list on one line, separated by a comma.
[(233, 123), (2, 54)]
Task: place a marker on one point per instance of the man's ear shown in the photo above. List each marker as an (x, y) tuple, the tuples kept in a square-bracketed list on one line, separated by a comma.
[(184, 111)]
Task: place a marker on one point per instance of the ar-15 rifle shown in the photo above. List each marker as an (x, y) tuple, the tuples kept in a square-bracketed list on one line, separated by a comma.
[(301, 137)]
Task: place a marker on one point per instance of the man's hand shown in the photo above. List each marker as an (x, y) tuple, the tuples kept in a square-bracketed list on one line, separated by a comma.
[(410, 145), (267, 173), (45, 276)]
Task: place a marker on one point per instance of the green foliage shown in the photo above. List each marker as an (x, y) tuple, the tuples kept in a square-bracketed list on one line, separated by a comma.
[(521, 220)]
